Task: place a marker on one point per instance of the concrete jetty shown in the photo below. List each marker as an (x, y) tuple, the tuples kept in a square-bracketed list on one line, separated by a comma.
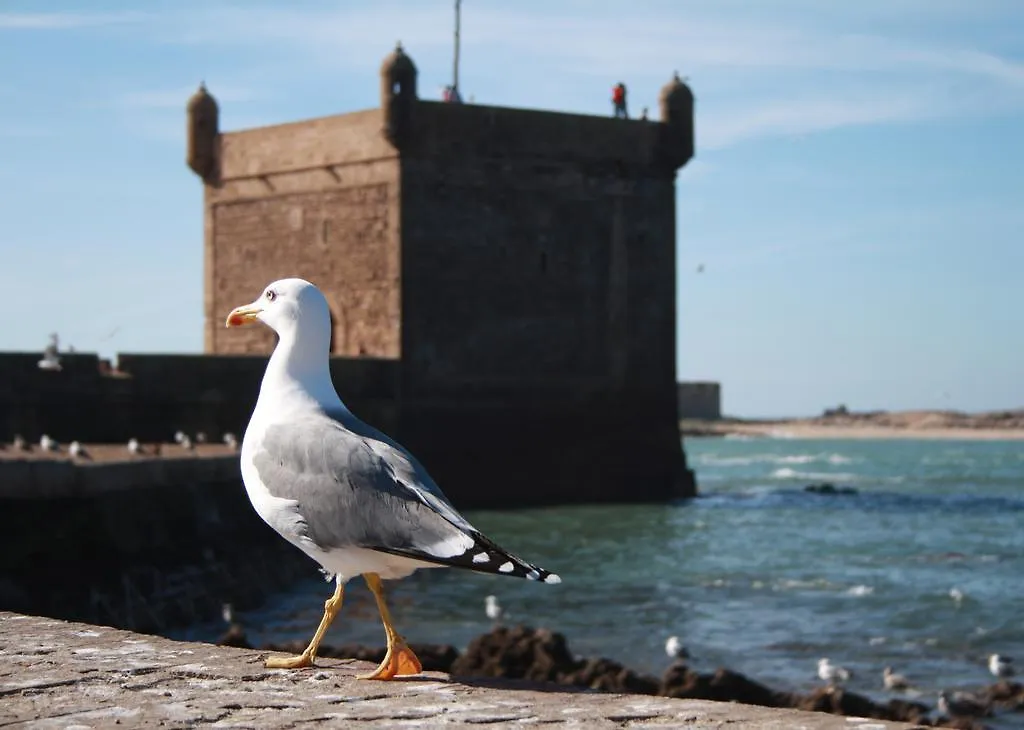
[(60, 674)]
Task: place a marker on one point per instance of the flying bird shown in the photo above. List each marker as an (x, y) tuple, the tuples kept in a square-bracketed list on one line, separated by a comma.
[(347, 495)]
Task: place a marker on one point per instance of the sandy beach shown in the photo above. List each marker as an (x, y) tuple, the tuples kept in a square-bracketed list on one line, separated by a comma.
[(951, 425)]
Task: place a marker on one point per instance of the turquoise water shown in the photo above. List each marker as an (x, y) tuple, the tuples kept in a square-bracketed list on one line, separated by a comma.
[(756, 574)]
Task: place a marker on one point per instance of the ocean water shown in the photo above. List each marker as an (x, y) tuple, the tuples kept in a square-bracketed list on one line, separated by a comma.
[(756, 575)]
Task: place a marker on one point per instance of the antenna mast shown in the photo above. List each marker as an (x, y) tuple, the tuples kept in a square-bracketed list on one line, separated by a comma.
[(455, 65)]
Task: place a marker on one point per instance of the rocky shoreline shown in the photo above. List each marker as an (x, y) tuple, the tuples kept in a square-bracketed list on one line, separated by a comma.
[(540, 655), (841, 423)]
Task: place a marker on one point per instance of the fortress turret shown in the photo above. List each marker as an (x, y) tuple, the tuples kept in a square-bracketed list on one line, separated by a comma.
[(676, 104), (203, 131), (398, 96)]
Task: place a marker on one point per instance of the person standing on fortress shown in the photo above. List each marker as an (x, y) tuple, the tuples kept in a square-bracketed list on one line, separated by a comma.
[(619, 101)]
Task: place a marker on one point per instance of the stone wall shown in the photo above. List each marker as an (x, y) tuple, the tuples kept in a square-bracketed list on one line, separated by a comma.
[(317, 200), (700, 400), (152, 396)]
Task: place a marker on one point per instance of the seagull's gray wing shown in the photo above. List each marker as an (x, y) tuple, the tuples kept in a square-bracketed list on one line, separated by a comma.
[(360, 489)]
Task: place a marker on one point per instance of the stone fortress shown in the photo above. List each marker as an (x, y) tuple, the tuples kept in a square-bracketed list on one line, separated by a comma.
[(502, 285)]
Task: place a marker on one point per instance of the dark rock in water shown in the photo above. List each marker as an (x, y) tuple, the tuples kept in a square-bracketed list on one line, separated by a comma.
[(1005, 694), (543, 656), (838, 701), (724, 685), (827, 488)]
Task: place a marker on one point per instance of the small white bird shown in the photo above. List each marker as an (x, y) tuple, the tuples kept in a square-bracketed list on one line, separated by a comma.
[(77, 451), (961, 704), (19, 443), (832, 673), (957, 595), (493, 609), (179, 437), (893, 681), (231, 440), (1001, 666), (186, 443), (48, 444), (134, 447), (674, 648)]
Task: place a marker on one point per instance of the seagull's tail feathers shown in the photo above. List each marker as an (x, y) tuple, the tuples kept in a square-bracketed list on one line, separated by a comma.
[(482, 556)]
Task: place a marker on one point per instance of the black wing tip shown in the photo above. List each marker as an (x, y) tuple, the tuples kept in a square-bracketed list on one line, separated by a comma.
[(485, 557)]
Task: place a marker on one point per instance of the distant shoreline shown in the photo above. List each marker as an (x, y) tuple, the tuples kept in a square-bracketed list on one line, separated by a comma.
[(945, 425)]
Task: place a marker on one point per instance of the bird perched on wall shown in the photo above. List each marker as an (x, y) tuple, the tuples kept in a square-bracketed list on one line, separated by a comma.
[(20, 444), (1001, 666), (832, 673), (77, 451), (493, 609), (338, 489), (231, 441), (961, 704), (894, 682), (134, 447), (674, 648), (48, 444)]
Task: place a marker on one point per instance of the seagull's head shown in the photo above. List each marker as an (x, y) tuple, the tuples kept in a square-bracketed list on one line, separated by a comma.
[(283, 305)]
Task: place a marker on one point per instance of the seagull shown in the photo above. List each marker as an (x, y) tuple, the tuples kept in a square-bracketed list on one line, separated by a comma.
[(347, 495), (960, 704), (957, 595), (892, 681), (493, 609), (231, 441), (77, 451), (134, 447), (51, 360), (48, 444), (832, 673), (675, 649), (20, 444), (1001, 665), (179, 437), (186, 443)]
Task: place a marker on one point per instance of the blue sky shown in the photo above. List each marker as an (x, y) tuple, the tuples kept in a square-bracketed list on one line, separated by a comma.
[(857, 198)]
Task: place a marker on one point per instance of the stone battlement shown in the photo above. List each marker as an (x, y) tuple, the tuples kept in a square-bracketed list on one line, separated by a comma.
[(57, 674)]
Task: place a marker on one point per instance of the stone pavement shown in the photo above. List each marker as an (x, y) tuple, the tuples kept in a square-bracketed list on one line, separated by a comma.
[(57, 674)]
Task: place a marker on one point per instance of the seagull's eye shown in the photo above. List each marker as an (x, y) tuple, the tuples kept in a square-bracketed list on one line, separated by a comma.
[(271, 295)]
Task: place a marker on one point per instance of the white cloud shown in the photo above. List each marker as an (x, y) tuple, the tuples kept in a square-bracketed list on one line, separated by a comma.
[(64, 21)]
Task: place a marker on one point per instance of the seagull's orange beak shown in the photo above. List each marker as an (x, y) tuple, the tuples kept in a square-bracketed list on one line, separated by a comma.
[(243, 315)]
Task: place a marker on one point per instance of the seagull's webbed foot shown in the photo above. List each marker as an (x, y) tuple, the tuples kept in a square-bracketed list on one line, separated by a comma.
[(400, 660), (331, 607), (303, 660)]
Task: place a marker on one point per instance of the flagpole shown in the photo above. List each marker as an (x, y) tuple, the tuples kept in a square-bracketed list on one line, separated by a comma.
[(455, 65)]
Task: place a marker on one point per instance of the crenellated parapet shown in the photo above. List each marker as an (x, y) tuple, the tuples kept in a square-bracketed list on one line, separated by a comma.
[(203, 135), (398, 98)]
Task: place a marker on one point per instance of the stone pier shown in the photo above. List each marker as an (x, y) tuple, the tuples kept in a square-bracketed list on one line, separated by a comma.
[(56, 674)]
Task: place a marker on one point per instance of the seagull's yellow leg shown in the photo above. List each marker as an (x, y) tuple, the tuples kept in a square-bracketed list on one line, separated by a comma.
[(400, 659), (331, 607)]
